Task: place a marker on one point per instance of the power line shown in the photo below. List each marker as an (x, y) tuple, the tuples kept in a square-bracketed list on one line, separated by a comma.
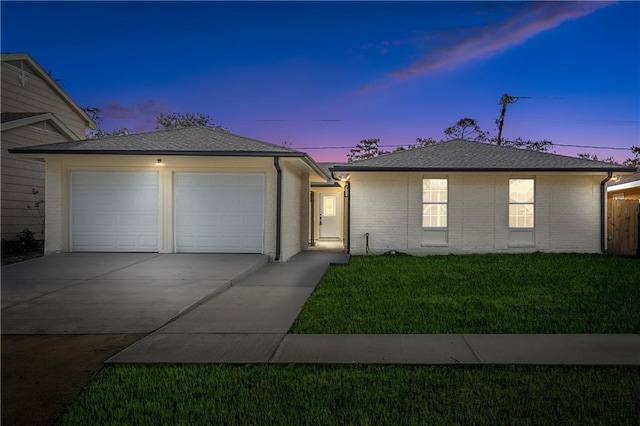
[(555, 144), (594, 147)]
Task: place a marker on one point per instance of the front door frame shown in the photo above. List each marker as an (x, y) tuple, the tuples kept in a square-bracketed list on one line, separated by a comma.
[(329, 224), (314, 210)]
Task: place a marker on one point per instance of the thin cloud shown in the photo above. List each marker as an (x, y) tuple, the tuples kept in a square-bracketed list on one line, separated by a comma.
[(490, 39), (382, 48), (118, 111), (140, 116)]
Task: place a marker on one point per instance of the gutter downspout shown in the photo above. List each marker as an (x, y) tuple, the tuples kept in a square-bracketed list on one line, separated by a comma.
[(603, 206), (348, 196), (276, 164), (312, 217)]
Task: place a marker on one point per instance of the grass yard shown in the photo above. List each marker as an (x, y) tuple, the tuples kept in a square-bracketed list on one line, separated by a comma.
[(392, 395), (494, 293)]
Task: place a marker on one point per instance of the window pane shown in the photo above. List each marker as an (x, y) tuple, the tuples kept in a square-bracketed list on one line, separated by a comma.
[(521, 190), (434, 216), (434, 190), (329, 204), (521, 215)]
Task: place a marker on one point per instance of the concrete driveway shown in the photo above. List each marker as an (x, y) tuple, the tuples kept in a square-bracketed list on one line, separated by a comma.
[(100, 293)]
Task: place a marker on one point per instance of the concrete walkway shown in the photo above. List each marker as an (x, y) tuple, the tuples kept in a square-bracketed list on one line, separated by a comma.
[(248, 323)]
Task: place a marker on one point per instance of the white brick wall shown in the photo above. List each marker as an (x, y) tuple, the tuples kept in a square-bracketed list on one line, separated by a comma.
[(389, 207), (291, 218), (54, 227)]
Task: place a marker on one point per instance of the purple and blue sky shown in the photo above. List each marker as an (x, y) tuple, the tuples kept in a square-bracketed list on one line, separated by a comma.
[(329, 74)]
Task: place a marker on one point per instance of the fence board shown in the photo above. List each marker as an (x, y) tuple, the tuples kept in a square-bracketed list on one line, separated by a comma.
[(623, 223)]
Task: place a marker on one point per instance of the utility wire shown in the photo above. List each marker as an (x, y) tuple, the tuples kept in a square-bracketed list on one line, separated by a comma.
[(393, 146)]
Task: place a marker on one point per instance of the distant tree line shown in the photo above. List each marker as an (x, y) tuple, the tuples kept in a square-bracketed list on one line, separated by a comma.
[(164, 121), (469, 129), (466, 128)]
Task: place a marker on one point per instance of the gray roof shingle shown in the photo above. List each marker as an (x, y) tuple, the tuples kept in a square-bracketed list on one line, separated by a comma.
[(182, 141), (462, 155)]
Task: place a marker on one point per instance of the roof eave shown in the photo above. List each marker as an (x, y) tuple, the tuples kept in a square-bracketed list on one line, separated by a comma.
[(57, 123), (621, 169), (29, 151), (316, 168), (621, 186), (156, 152)]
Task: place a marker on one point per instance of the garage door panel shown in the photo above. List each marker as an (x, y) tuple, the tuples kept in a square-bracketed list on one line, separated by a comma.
[(114, 211), (219, 212)]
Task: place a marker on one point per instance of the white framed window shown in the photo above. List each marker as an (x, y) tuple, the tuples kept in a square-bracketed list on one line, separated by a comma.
[(435, 198), (521, 203)]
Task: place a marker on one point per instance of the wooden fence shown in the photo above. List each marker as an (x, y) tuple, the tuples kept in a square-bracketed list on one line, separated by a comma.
[(623, 223)]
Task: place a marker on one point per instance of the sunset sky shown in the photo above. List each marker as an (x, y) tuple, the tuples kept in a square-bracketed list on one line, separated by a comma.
[(320, 75)]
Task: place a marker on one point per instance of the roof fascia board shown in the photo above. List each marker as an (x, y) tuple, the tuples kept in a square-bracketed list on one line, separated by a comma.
[(46, 151), (628, 185), (465, 170), (51, 82), (59, 125), (316, 168), (304, 166)]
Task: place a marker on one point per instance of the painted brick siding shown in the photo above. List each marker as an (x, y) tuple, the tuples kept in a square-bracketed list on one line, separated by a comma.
[(389, 207), (56, 196), (294, 186), (379, 206)]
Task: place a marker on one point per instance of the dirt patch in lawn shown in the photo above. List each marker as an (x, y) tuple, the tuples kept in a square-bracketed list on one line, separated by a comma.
[(42, 374)]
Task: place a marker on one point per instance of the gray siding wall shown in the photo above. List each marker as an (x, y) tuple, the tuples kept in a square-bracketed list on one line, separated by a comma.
[(19, 177), (36, 96)]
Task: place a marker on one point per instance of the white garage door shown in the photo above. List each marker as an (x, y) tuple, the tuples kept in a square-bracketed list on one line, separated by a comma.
[(219, 212), (114, 212)]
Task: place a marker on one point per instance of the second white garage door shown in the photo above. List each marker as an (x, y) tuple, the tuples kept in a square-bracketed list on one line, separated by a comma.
[(219, 212)]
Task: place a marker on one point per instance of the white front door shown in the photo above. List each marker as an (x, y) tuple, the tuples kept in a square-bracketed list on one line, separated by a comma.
[(219, 212), (114, 211), (329, 217)]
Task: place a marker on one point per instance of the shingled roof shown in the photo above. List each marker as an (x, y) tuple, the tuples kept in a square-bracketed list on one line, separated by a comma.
[(182, 141), (462, 155)]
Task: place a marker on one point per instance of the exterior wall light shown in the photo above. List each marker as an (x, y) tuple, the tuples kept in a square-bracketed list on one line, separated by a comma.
[(159, 163)]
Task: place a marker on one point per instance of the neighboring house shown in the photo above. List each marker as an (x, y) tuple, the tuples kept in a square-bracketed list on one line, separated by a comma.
[(625, 188), (35, 111), (471, 197), (193, 189), (623, 215)]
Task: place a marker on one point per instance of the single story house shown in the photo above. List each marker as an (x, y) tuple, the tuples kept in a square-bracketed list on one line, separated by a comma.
[(193, 189), (470, 197), (199, 189), (35, 111)]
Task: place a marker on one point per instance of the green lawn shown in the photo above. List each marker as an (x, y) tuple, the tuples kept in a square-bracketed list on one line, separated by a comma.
[(363, 395), (503, 293)]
